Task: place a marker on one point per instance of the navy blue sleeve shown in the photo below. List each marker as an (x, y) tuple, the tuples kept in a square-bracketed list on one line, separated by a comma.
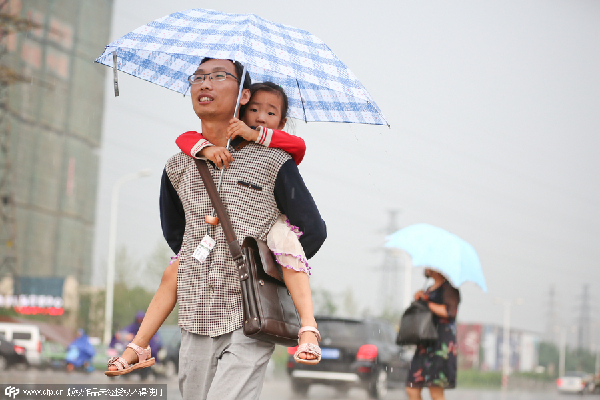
[(172, 216), (294, 200)]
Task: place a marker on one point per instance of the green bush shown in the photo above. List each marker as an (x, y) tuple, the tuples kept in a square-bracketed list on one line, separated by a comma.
[(479, 379)]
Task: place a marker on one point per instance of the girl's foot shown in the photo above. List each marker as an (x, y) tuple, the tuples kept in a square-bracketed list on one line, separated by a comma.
[(121, 365), (129, 356), (308, 351)]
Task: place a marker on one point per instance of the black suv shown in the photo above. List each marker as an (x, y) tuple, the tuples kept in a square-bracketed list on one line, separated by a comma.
[(10, 354), (355, 352)]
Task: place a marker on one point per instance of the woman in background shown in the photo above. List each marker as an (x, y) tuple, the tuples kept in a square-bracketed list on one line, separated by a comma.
[(434, 365)]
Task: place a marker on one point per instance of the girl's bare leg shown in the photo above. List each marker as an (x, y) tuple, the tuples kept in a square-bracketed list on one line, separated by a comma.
[(414, 393), (299, 288), (160, 307)]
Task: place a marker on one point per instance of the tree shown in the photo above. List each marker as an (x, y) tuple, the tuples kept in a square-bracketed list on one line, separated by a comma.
[(127, 302), (349, 304), (127, 270), (392, 315), (135, 285), (575, 359), (156, 264), (548, 357), (323, 302)]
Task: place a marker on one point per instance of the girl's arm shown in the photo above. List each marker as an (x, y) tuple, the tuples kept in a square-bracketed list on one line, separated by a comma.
[(293, 145), (192, 142), (194, 145)]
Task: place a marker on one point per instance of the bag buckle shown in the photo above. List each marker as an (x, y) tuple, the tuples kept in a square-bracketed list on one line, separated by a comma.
[(241, 267)]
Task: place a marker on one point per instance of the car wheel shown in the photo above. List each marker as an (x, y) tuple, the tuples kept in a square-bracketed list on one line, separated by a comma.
[(170, 369), (3, 363), (300, 388), (378, 388)]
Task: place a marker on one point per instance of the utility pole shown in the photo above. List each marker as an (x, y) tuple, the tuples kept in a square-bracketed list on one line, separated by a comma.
[(506, 303), (562, 352), (552, 317), (388, 287), (584, 322)]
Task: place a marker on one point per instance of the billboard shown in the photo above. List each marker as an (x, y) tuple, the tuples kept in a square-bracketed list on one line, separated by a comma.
[(468, 337), (523, 348)]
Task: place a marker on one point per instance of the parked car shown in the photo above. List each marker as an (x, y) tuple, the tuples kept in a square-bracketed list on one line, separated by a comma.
[(168, 356), (576, 382), (354, 352), (26, 336), (10, 353), (53, 355)]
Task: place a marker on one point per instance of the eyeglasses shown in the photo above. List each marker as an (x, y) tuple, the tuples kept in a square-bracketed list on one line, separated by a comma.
[(214, 76)]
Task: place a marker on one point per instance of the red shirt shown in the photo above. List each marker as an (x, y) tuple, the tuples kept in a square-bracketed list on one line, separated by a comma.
[(192, 142)]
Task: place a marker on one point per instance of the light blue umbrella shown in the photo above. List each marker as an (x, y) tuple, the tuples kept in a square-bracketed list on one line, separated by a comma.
[(319, 86), (438, 249)]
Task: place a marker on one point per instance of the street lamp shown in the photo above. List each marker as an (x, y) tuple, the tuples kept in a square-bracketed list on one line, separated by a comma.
[(562, 348), (112, 239), (506, 338)]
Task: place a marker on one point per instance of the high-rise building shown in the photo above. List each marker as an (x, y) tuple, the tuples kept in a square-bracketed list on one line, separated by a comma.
[(51, 112)]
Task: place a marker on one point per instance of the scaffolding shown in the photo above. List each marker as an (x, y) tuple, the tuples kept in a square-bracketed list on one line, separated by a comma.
[(51, 111)]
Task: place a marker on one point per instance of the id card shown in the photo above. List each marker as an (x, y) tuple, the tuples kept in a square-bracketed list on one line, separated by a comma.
[(203, 250)]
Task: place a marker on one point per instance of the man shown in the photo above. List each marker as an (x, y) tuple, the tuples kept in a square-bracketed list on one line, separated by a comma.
[(216, 360)]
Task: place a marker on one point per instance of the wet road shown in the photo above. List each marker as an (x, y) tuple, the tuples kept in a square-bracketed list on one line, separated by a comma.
[(275, 388)]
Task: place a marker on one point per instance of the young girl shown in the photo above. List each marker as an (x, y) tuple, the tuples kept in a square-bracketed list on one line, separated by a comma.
[(267, 111)]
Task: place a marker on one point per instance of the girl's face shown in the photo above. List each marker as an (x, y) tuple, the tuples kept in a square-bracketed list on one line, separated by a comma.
[(264, 109)]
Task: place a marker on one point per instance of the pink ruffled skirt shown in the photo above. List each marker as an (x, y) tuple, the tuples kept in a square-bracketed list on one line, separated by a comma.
[(283, 242)]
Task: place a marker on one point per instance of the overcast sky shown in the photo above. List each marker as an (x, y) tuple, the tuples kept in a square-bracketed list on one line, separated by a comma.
[(494, 114)]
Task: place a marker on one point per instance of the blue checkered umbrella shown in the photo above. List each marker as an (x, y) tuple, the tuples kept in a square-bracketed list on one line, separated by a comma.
[(319, 86)]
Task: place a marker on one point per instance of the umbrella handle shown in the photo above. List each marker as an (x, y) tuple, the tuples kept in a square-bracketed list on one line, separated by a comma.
[(237, 107), (237, 104), (115, 78)]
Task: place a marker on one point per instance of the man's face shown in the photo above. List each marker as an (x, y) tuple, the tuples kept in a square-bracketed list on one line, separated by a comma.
[(215, 100)]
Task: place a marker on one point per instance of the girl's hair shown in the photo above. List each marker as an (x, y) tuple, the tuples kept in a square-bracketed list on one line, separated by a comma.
[(269, 87)]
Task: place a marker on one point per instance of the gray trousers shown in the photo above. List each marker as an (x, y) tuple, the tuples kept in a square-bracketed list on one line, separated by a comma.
[(228, 367)]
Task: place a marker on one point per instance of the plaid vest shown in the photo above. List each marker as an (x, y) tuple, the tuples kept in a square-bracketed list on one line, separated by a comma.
[(208, 293)]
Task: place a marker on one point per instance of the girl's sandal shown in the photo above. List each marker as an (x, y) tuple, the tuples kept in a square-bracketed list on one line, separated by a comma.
[(123, 368), (308, 347)]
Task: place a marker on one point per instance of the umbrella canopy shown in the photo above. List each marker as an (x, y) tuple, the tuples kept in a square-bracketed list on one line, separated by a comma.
[(436, 248), (319, 86)]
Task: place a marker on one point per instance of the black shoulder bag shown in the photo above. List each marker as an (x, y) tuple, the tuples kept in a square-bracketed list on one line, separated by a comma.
[(416, 325)]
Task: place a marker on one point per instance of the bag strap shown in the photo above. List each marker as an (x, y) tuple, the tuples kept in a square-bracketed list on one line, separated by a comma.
[(217, 203)]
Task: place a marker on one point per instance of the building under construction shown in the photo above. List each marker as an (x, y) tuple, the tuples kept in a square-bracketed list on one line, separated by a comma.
[(51, 112)]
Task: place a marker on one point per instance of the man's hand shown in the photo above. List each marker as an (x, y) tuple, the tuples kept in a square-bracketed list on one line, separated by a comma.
[(238, 128), (218, 155)]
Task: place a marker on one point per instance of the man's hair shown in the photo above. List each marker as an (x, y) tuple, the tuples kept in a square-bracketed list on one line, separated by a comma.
[(239, 70)]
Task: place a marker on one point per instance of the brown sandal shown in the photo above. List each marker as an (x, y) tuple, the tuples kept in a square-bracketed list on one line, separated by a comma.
[(123, 368)]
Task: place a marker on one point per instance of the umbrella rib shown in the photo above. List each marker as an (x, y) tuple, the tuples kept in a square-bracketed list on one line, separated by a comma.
[(301, 101)]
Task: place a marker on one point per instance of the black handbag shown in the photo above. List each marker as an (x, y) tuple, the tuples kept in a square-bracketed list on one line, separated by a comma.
[(416, 325), (269, 312)]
